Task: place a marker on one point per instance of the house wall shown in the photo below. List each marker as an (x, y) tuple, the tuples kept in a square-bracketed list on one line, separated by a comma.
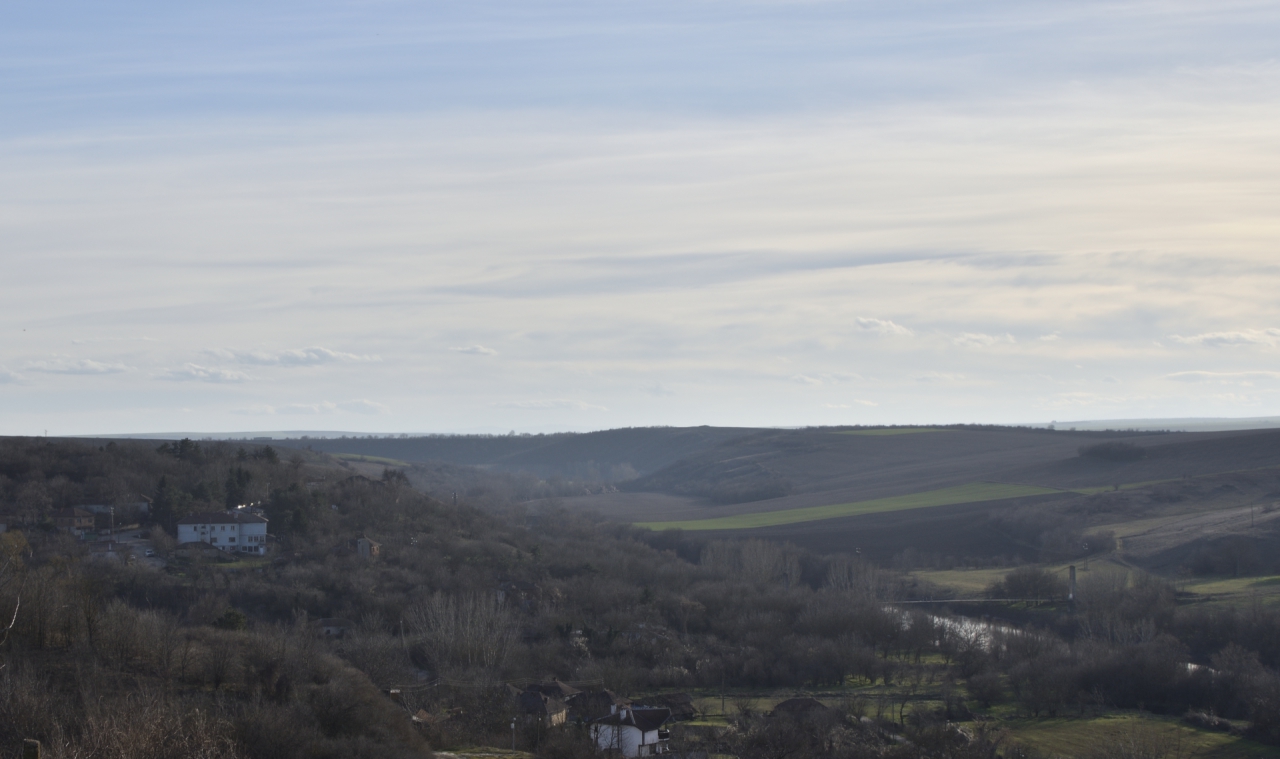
[(626, 738), (630, 740), (228, 537)]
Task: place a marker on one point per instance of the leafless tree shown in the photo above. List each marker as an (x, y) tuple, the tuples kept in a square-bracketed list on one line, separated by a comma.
[(472, 633)]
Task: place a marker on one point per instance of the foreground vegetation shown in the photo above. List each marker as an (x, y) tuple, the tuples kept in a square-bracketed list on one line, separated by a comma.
[(203, 658)]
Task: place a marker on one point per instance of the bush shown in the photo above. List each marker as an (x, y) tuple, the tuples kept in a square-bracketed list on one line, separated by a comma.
[(1028, 582)]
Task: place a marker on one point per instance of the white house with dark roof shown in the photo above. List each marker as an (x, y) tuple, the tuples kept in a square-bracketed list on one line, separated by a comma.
[(232, 531), (633, 731)]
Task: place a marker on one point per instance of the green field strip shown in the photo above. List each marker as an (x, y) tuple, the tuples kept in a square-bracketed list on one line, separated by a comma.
[(886, 431), (1123, 486), (974, 492), (359, 457)]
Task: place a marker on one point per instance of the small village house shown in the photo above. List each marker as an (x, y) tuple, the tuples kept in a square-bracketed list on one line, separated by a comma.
[(680, 704), (540, 707), (593, 705), (75, 521), (368, 549), (633, 731)]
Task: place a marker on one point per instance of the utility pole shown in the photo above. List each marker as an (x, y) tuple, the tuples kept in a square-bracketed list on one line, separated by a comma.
[(513, 733)]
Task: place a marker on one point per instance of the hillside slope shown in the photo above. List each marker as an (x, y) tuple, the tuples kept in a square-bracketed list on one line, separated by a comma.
[(609, 455)]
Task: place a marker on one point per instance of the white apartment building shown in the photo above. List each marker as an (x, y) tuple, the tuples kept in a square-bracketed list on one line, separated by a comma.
[(236, 531)]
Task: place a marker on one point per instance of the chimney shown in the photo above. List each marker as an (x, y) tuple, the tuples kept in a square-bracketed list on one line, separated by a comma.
[(1071, 583)]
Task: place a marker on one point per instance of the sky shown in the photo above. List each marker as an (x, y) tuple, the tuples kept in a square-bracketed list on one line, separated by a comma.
[(487, 216)]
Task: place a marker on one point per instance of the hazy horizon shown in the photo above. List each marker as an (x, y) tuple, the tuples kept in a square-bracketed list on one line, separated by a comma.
[(539, 216)]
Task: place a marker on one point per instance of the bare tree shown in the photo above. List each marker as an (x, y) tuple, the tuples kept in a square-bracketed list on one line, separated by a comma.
[(472, 633)]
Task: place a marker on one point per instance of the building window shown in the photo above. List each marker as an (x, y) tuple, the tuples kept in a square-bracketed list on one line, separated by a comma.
[(213, 540)]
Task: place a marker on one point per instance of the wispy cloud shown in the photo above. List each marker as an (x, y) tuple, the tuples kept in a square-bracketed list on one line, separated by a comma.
[(557, 404), (825, 378), (7, 376), (197, 373), (980, 340), (475, 350), (1202, 376), (641, 222), (364, 406), (357, 406), (307, 409), (69, 365), (260, 409), (659, 390), (1081, 398), (91, 340), (883, 326), (1268, 336), (291, 357)]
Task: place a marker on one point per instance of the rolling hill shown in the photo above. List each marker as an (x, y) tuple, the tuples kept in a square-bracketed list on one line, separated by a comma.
[(959, 491), (609, 455)]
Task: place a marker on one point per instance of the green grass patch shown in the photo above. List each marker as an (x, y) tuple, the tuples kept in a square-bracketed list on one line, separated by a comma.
[(1079, 737), (965, 582), (369, 459), (1236, 590), (974, 492), (887, 431)]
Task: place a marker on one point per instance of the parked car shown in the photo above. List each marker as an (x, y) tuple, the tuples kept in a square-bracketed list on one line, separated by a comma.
[(151, 552)]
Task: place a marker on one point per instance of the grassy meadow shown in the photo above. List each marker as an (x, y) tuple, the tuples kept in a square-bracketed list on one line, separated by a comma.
[(369, 459)]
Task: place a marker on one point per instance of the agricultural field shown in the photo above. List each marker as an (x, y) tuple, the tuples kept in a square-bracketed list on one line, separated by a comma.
[(970, 493), (364, 459)]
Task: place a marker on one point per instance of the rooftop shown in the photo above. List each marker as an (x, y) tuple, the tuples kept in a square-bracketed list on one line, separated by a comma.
[(223, 517)]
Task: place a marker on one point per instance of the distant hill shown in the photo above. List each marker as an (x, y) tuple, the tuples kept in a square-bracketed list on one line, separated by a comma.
[(609, 455), (806, 478), (982, 493), (809, 467), (1175, 424)]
